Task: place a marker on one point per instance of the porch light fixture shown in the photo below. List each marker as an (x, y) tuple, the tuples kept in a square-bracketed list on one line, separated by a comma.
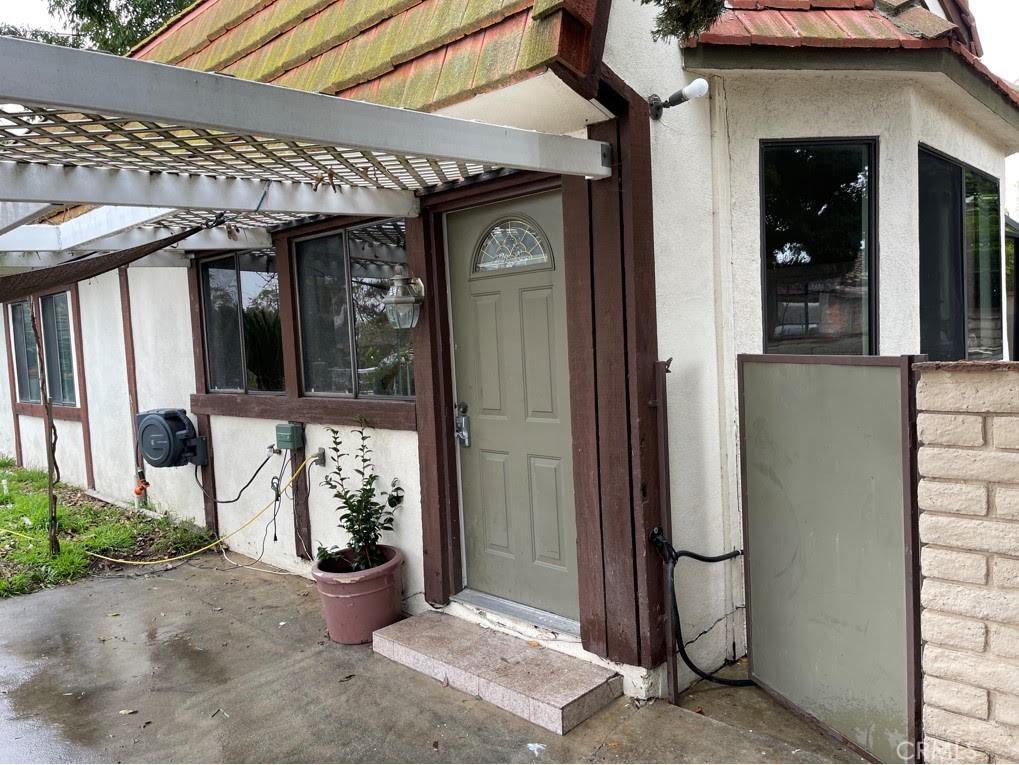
[(695, 89), (403, 301)]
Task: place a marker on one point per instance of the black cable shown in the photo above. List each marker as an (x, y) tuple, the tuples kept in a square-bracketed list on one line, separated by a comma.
[(670, 556), (243, 488)]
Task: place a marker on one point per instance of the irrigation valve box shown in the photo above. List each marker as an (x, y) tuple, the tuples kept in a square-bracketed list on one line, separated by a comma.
[(167, 438), (289, 435)]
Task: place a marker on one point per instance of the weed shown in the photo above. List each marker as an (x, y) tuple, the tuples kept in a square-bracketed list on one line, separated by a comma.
[(84, 526)]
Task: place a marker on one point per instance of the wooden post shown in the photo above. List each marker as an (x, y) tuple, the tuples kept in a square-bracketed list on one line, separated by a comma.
[(52, 471)]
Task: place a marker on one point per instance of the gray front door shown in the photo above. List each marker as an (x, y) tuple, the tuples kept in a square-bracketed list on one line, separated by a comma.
[(510, 354)]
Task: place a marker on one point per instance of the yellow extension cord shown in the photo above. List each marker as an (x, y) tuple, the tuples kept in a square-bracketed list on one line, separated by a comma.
[(185, 555)]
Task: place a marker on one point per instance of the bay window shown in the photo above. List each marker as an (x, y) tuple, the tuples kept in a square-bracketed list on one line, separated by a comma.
[(960, 261)]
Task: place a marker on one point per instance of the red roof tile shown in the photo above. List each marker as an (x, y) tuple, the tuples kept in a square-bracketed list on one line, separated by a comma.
[(414, 49), (843, 24)]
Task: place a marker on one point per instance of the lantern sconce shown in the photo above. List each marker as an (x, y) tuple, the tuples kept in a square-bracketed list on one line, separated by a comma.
[(403, 300), (695, 89)]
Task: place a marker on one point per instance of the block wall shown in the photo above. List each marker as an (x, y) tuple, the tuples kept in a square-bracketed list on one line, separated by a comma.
[(968, 495)]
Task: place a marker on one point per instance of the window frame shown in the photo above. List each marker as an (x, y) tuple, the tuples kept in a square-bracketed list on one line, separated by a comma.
[(294, 405), (245, 391), (36, 303), (960, 266), (873, 145)]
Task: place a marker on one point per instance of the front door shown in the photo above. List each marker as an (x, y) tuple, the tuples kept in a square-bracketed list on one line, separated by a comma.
[(512, 378)]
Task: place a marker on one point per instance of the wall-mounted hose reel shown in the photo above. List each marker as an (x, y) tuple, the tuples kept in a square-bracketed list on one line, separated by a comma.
[(168, 439)]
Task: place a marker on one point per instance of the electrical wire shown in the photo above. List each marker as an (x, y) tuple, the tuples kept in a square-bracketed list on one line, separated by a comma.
[(209, 546), (670, 556), (243, 488)]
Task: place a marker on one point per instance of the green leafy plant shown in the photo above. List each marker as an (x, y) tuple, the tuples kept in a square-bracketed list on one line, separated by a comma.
[(684, 19), (365, 509)]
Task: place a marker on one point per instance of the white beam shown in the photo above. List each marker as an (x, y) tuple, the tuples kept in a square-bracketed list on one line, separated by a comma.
[(27, 182), (37, 237), (35, 73), (44, 239), (209, 239), (14, 214), (28, 260), (104, 222)]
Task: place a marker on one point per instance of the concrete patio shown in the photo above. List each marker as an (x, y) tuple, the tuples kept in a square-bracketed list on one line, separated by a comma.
[(200, 664)]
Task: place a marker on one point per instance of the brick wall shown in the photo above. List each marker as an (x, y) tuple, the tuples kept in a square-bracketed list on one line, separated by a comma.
[(968, 495)]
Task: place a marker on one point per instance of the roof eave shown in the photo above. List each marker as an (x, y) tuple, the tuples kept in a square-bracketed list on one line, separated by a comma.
[(977, 81)]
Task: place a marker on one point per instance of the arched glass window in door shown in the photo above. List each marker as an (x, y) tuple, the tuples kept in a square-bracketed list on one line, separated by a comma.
[(512, 243)]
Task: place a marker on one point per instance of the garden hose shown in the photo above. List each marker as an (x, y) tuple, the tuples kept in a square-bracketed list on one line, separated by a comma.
[(670, 556), (185, 555)]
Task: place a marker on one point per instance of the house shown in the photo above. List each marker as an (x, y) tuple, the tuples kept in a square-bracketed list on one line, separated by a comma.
[(817, 202)]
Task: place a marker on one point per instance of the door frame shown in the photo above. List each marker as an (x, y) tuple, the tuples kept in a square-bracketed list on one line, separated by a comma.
[(612, 347)]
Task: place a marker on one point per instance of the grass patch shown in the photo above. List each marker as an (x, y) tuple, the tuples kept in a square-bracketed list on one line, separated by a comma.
[(84, 525)]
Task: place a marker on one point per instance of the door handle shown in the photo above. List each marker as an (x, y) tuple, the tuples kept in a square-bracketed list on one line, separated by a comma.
[(462, 424)]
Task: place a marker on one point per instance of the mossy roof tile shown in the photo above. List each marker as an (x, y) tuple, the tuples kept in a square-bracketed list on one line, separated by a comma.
[(540, 44), (421, 52), (194, 31), (499, 52), (457, 76), (268, 24)]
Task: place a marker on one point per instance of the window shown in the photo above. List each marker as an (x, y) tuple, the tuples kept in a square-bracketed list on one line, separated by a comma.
[(57, 347), (342, 275), (346, 346), (512, 243), (818, 202), (243, 339), (960, 261)]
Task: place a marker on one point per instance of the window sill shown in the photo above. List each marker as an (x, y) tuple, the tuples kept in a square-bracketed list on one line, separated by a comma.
[(60, 411), (387, 414)]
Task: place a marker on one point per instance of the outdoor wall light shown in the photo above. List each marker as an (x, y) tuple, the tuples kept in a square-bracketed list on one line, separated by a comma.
[(403, 301), (695, 89)]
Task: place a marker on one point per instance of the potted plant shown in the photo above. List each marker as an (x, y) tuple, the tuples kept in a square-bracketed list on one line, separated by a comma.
[(361, 584)]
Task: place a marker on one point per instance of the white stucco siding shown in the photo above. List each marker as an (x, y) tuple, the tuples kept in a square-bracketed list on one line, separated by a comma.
[(165, 373), (70, 453), (396, 456), (105, 373), (240, 444)]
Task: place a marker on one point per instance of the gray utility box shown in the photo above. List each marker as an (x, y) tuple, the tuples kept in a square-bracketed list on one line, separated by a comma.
[(289, 435)]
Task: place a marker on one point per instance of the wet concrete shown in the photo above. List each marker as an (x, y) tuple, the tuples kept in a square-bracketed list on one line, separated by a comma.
[(204, 665)]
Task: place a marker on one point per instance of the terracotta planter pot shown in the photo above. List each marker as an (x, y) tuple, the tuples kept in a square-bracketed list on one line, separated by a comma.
[(356, 603)]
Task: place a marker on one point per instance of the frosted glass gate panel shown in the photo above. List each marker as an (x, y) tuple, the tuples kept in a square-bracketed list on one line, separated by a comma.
[(828, 536)]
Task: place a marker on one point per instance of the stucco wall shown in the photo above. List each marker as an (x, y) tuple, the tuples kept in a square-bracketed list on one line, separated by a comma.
[(102, 332), (969, 529), (164, 355), (70, 454), (689, 317), (240, 446)]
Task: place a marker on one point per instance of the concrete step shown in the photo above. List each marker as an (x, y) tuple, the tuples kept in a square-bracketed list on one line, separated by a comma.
[(547, 688)]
